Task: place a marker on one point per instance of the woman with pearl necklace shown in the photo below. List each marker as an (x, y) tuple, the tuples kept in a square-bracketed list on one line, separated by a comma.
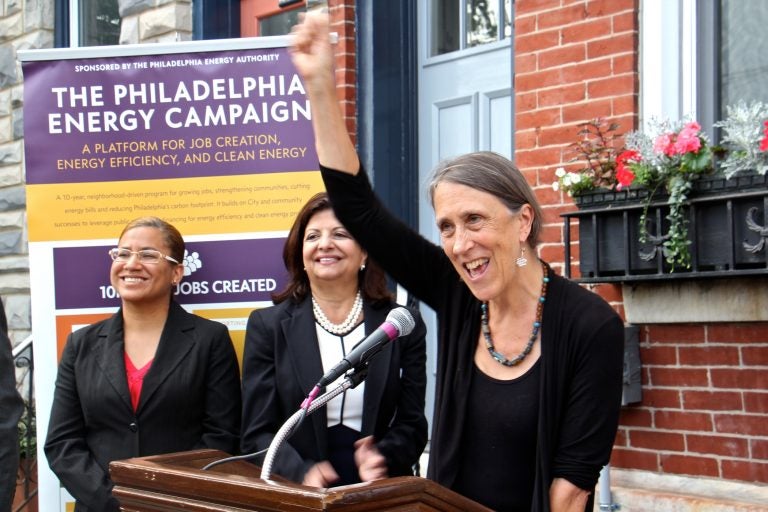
[(335, 298)]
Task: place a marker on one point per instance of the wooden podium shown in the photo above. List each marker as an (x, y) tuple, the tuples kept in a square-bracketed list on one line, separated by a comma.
[(176, 482)]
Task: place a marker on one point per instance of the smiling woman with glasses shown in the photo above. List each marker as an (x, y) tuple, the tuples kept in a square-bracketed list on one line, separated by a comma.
[(151, 379)]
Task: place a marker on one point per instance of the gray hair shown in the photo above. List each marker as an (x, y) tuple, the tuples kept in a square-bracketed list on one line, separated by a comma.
[(494, 174)]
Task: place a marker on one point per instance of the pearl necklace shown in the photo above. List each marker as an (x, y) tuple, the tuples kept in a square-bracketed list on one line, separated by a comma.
[(498, 357), (345, 326)]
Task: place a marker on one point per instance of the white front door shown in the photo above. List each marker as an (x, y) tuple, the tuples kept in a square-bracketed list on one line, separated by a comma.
[(465, 98), (465, 84)]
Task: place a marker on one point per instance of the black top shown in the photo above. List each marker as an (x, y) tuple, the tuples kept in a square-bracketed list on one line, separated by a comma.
[(499, 442), (581, 349)]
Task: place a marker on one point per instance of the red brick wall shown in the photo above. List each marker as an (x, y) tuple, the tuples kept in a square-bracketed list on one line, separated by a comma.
[(705, 403), (342, 14), (574, 61), (705, 386)]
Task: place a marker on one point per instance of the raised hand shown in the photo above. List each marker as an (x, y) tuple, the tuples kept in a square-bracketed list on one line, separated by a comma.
[(312, 54)]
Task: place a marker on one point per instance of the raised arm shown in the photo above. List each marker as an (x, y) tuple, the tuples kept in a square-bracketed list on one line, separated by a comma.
[(312, 55)]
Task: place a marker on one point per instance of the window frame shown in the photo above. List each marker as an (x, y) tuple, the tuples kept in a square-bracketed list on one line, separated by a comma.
[(463, 29), (680, 66), (668, 60)]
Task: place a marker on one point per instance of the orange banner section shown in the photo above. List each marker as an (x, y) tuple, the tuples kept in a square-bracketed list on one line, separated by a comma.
[(234, 318), (235, 204)]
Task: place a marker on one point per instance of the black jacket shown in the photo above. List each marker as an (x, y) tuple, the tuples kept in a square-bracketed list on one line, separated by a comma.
[(190, 399), (11, 408)]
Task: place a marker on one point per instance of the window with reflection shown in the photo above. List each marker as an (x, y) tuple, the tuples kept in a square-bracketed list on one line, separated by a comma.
[(461, 24), (731, 61), (279, 24), (743, 59), (99, 22)]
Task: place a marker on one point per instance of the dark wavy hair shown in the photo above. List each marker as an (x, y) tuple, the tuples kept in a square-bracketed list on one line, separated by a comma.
[(372, 281)]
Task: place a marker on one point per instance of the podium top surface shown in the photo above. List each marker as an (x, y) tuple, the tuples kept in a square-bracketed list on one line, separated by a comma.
[(177, 481)]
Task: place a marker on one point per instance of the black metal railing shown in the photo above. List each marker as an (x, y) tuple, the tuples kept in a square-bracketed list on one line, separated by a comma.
[(26, 498)]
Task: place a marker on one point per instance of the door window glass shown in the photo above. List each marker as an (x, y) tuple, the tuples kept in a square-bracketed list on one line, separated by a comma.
[(460, 24), (446, 33), (484, 18)]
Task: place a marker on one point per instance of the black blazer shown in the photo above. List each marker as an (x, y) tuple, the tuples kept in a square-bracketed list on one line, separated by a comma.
[(282, 364), (11, 409), (190, 399)]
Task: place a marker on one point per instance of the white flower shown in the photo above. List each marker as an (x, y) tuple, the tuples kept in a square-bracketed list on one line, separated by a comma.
[(555, 185), (568, 179), (560, 172)]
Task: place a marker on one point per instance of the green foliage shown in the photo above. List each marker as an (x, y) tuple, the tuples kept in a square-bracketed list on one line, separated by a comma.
[(671, 158), (742, 137), (28, 432)]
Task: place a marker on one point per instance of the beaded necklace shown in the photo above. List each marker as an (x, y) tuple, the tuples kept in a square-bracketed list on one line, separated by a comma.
[(345, 326), (534, 334)]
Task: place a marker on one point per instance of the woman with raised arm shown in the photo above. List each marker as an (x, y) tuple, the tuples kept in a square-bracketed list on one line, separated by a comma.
[(150, 379), (529, 364), (336, 296)]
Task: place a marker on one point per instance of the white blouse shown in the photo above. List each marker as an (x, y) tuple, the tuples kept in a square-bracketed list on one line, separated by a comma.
[(346, 408)]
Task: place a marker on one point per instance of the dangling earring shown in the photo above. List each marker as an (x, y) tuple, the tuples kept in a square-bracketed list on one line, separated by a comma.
[(362, 267), (522, 260)]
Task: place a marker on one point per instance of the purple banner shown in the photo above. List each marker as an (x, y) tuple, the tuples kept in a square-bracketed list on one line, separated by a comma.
[(165, 116), (215, 272)]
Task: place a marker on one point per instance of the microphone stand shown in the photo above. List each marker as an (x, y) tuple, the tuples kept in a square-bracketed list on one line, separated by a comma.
[(351, 381)]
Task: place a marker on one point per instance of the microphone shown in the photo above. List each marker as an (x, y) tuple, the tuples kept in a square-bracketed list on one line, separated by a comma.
[(399, 322)]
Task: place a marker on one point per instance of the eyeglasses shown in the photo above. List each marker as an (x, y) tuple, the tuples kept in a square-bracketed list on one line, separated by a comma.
[(145, 256)]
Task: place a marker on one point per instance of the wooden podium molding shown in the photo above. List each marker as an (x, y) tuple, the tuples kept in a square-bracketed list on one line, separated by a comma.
[(164, 483)]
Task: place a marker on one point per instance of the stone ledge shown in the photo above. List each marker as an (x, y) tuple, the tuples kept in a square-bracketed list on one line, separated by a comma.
[(645, 491), (739, 299)]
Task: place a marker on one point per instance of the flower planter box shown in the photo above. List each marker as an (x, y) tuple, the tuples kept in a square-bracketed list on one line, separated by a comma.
[(727, 229)]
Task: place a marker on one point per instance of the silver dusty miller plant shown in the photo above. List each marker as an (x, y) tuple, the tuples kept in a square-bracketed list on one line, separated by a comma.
[(743, 132)]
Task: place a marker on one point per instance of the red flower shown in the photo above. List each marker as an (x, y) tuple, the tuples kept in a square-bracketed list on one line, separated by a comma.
[(628, 155), (624, 174), (764, 142), (688, 139), (664, 144)]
